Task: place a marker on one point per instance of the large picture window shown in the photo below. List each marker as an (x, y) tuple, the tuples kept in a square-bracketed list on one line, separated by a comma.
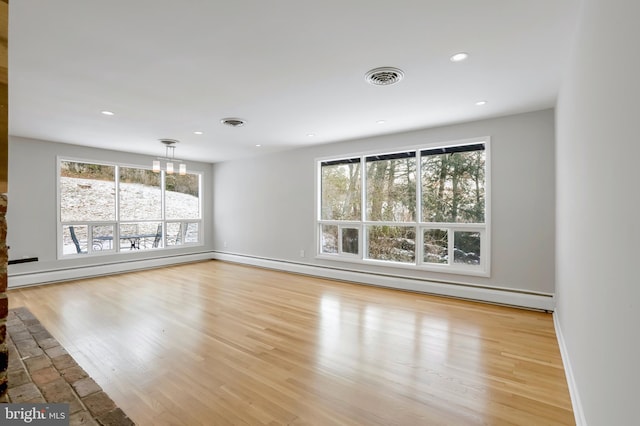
[(423, 207), (106, 208)]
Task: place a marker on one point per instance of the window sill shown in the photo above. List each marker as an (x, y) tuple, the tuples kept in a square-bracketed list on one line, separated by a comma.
[(442, 269), (127, 252)]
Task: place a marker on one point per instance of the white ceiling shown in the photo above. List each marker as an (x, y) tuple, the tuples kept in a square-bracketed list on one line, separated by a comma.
[(290, 68)]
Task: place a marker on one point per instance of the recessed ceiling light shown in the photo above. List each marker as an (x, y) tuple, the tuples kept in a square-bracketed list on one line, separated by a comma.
[(258, 145), (107, 113), (197, 132), (310, 135), (481, 103), (459, 57), (380, 122)]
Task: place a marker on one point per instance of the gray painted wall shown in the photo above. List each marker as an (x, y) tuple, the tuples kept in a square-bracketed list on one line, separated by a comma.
[(598, 288), (31, 216), (264, 206)]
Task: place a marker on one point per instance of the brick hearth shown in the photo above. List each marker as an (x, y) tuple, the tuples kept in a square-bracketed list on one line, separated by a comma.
[(40, 371)]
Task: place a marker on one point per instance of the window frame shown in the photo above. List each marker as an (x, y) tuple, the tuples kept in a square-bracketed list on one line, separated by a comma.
[(483, 269), (116, 248), (346, 224)]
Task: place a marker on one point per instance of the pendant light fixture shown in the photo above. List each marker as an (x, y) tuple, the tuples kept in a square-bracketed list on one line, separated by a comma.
[(169, 158)]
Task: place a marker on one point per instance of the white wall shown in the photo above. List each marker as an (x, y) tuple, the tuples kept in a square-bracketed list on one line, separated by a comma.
[(598, 199), (31, 215), (264, 207)]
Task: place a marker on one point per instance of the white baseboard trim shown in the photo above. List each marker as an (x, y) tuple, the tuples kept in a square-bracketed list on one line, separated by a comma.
[(578, 412), (66, 274), (492, 295)]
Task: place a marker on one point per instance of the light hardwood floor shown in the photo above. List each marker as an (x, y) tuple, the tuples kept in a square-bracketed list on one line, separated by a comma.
[(216, 343)]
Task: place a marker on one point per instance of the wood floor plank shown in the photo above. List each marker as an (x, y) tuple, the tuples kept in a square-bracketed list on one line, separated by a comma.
[(216, 343)]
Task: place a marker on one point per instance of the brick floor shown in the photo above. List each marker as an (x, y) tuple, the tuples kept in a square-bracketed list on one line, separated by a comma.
[(40, 370)]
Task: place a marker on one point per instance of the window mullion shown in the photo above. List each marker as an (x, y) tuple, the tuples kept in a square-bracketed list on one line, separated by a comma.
[(363, 208), (117, 200), (418, 187), (419, 232), (116, 231), (163, 207), (361, 243), (450, 245), (363, 186), (89, 238), (419, 245)]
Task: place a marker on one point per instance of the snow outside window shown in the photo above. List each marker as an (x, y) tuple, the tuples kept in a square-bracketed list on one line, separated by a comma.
[(107, 208)]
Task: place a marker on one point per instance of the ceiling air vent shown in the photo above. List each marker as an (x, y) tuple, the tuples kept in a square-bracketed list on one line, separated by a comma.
[(233, 122), (384, 76)]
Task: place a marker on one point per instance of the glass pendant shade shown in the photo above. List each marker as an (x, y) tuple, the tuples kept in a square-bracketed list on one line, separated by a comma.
[(170, 147)]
